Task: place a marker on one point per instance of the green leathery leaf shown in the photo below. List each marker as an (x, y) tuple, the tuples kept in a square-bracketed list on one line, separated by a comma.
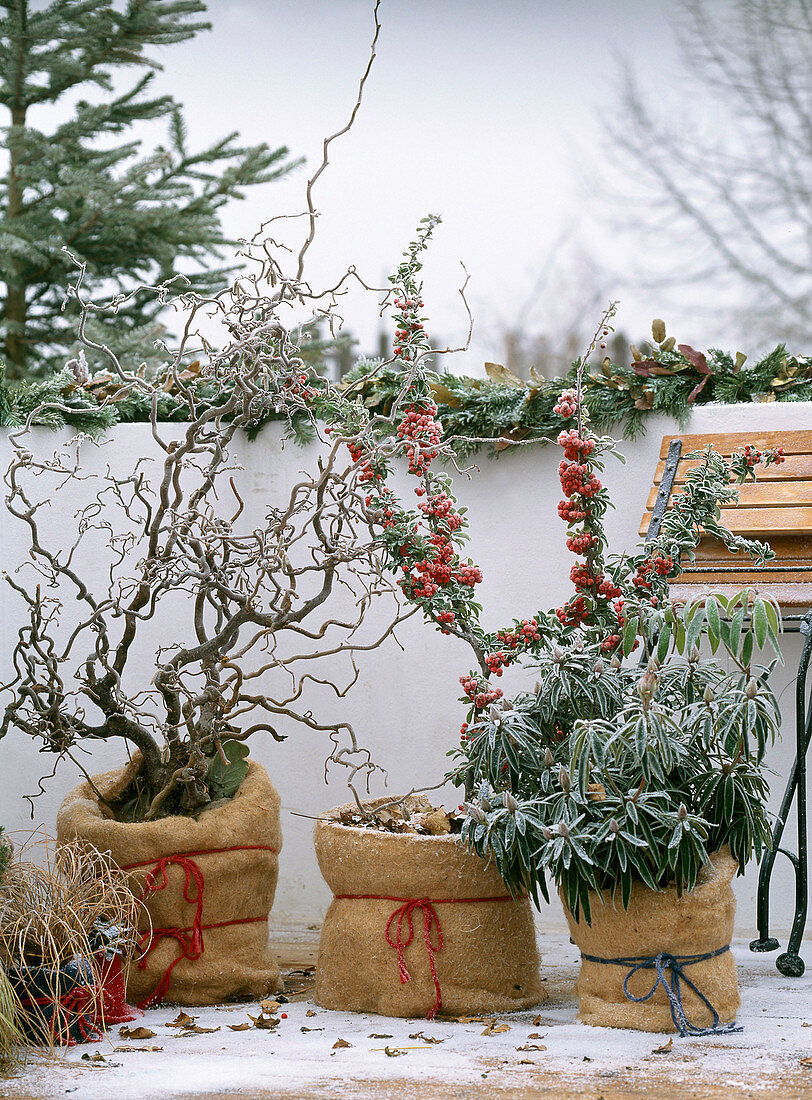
[(224, 779), (760, 622), (663, 643), (694, 629), (691, 608), (729, 796), (736, 622), (712, 615), (137, 804), (772, 615), (747, 648)]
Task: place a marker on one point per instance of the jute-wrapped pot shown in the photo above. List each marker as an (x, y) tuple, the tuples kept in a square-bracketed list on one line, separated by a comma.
[(208, 886), (419, 925), (698, 923)]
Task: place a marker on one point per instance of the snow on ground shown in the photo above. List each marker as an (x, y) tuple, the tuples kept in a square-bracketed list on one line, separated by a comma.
[(545, 1052)]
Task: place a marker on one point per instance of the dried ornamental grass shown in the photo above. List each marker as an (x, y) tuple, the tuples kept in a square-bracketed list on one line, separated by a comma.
[(11, 1038), (51, 913)]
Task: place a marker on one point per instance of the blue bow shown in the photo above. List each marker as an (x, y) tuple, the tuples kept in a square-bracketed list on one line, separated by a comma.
[(675, 963)]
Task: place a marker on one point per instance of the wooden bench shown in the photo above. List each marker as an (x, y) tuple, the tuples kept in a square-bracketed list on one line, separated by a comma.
[(776, 509)]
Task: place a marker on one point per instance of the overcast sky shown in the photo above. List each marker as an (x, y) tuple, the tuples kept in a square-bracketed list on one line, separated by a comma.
[(486, 112)]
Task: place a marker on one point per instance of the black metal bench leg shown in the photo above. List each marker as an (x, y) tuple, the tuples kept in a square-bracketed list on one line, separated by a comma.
[(789, 962)]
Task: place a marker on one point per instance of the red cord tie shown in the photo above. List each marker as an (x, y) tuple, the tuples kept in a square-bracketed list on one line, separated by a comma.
[(76, 1002), (191, 946), (399, 944), (189, 939), (431, 923)]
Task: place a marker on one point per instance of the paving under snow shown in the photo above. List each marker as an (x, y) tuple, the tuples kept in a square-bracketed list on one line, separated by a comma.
[(569, 1059)]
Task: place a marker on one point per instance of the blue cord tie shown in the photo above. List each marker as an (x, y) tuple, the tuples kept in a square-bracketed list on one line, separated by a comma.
[(674, 963)]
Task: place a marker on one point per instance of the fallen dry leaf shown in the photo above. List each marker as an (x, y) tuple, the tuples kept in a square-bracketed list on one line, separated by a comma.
[(425, 1038), (397, 1050), (532, 1046), (526, 1062), (183, 1019), (305, 1030), (383, 1035), (264, 1023), (537, 1021), (302, 972), (310, 1012), (805, 1024), (195, 1030), (340, 1043), (807, 1062), (136, 1033), (247, 1026), (496, 1029), (98, 1057), (665, 1048), (269, 1007), (535, 1035), (140, 1050)]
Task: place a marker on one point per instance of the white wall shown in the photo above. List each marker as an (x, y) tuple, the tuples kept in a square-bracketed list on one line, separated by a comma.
[(405, 705)]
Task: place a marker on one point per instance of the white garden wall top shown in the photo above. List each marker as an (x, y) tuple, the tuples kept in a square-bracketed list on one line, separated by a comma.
[(405, 705)]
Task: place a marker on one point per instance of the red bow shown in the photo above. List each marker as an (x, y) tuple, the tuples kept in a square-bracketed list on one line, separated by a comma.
[(399, 944), (75, 1003), (190, 939)]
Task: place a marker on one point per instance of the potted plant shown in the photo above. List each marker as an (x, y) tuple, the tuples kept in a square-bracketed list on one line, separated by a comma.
[(418, 925), (228, 613), (659, 765), (636, 783), (196, 625), (65, 914)]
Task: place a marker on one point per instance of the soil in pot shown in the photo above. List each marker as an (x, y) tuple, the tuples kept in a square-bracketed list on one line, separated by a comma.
[(677, 930), (419, 926), (207, 883)]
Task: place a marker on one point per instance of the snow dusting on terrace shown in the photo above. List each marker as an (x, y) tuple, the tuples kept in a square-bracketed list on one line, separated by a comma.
[(543, 1052)]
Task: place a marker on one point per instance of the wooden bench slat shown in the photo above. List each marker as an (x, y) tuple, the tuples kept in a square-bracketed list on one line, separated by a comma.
[(797, 548), (796, 467), (797, 441), (759, 522), (759, 494), (788, 594), (743, 579)]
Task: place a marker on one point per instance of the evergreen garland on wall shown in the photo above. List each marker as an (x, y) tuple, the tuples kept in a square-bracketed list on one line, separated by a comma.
[(498, 411)]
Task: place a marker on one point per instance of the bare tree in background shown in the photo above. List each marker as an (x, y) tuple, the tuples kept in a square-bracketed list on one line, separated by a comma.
[(549, 328), (724, 201)]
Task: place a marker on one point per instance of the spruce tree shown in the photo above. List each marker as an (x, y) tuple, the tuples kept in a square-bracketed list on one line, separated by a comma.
[(87, 185)]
